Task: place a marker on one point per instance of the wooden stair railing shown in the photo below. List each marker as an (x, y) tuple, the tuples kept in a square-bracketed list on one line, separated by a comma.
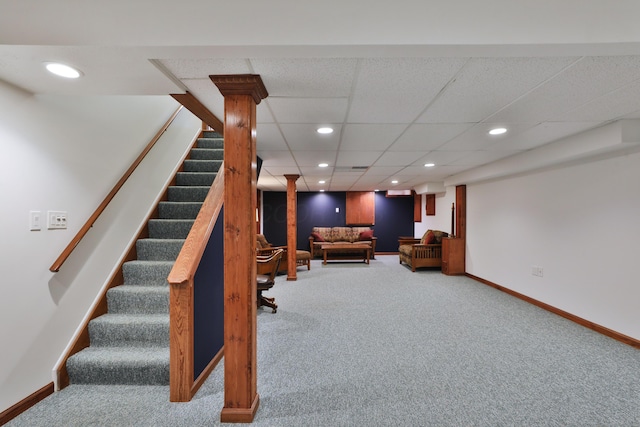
[(181, 294), (55, 267)]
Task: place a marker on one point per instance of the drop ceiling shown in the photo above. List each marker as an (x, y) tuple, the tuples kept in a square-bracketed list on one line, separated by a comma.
[(399, 91)]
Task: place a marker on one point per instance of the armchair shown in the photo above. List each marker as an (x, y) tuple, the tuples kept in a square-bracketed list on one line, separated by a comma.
[(266, 281), (265, 248), (424, 252)]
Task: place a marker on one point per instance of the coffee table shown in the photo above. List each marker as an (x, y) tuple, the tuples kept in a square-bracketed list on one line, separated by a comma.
[(354, 251)]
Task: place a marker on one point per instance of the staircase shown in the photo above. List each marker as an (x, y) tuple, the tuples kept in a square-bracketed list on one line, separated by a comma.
[(130, 343)]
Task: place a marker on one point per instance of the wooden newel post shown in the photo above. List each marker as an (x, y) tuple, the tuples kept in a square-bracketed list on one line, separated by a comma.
[(292, 207), (241, 95)]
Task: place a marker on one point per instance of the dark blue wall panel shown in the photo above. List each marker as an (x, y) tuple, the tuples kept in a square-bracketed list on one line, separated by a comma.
[(209, 300), (394, 217)]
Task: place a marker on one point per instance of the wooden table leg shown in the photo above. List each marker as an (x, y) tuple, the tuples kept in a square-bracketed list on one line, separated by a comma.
[(324, 254)]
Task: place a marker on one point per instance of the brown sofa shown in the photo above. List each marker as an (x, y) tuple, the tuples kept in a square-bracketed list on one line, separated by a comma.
[(424, 252), (331, 235)]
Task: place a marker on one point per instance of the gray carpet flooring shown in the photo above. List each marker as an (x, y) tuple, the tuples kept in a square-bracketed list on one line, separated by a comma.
[(378, 345)]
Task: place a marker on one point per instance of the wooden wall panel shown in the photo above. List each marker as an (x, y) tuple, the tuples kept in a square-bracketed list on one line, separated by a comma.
[(360, 208)]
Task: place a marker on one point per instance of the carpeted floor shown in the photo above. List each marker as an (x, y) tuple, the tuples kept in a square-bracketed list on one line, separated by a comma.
[(378, 345)]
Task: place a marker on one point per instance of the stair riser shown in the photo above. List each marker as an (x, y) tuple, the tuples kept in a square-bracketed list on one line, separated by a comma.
[(211, 140), (188, 194), (104, 334), (128, 301), (146, 273), (195, 178), (206, 154), (169, 229), (211, 166), (158, 249), (178, 210), (110, 374)]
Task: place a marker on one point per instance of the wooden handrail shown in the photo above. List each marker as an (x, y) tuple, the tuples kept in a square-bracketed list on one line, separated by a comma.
[(92, 219), (184, 269)]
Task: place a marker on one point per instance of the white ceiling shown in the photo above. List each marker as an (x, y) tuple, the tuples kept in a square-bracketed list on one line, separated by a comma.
[(401, 87)]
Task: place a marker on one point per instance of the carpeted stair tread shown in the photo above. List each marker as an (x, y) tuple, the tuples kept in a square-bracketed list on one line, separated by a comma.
[(195, 178), (158, 249), (149, 273), (179, 210), (139, 299), (193, 193), (169, 228), (129, 330), (191, 165), (120, 365), (206, 154)]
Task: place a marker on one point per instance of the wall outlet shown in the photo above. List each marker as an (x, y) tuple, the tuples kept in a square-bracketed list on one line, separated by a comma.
[(56, 220), (536, 271)]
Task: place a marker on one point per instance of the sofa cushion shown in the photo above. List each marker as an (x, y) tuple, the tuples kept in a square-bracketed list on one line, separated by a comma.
[(405, 250), (317, 237), (343, 234), (324, 232)]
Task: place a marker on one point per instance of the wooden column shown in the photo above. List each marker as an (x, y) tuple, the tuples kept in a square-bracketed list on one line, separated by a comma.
[(241, 95), (292, 226)]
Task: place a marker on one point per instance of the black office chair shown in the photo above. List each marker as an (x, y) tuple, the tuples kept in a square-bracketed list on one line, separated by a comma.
[(268, 263)]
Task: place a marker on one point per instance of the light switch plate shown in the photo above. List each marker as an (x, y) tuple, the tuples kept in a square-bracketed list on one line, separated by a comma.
[(35, 220)]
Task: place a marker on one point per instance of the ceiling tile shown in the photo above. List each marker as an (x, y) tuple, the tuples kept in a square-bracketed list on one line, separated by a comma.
[(613, 105), (397, 90), (276, 158), (477, 158), (313, 158), (361, 137), (357, 158), (426, 137), (196, 68), (587, 79), (542, 134), (399, 158), (486, 85), (316, 111), (306, 77), (300, 137), (269, 138)]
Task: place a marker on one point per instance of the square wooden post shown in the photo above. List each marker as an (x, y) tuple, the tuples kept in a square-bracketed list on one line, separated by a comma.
[(292, 225), (241, 95)]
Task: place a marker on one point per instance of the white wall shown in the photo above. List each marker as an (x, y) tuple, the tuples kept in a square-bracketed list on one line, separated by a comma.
[(442, 219), (66, 153), (579, 222)]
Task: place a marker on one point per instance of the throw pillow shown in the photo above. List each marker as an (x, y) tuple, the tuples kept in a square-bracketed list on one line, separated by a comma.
[(428, 238), (366, 235), (317, 237)]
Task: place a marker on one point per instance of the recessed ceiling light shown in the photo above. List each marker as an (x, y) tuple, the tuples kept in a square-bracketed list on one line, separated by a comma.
[(429, 165), (395, 181), (320, 182), (497, 131), (323, 165), (325, 130), (63, 70), (322, 191)]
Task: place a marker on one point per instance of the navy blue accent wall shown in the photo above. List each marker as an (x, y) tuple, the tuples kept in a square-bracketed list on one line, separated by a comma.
[(394, 217), (209, 300)]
